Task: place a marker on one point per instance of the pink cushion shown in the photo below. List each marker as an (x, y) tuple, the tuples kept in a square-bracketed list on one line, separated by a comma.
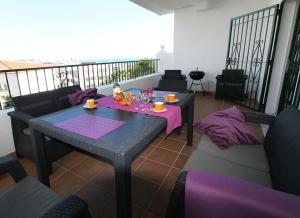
[(226, 128)]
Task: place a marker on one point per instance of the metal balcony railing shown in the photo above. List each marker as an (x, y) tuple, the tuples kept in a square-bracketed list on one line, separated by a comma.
[(17, 82)]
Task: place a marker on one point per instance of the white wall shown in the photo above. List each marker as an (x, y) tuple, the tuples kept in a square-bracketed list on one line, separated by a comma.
[(6, 139), (201, 38), (165, 60), (281, 56)]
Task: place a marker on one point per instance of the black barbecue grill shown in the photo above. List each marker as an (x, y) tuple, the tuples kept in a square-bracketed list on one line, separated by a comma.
[(196, 77)]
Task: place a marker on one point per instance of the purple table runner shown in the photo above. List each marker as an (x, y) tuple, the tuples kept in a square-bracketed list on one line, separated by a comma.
[(173, 113), (90, 126)]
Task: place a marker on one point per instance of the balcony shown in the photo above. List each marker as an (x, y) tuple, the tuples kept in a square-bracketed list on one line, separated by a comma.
[(153, 172)]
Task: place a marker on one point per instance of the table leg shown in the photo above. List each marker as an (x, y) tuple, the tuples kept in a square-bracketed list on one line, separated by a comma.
[(190, 122), (41, 159), (178, 131), (123, 190)]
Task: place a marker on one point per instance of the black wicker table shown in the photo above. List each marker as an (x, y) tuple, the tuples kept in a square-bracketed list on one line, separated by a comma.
[(118, 148)]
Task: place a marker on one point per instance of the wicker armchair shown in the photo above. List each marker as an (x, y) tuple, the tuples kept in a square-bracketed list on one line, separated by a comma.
[(231, 84), (173, 80), (31, 199)]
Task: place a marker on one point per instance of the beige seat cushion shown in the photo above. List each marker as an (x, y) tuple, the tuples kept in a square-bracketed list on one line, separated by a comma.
[(252, 156), (205, 161)]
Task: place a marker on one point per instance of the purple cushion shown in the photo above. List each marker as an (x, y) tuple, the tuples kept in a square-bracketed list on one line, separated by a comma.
[(79, 97), (226, 128), (212, 195)]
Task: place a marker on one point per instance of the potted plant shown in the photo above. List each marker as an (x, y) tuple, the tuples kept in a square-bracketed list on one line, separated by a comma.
[(7, 102)]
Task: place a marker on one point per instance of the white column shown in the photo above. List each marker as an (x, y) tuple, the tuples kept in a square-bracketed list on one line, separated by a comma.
[(6, 138), (281, 57), (165, 60)]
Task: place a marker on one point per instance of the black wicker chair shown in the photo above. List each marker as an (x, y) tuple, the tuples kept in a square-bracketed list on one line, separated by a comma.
[(173, 80), (173, 74), (28, 198), (231, 84)]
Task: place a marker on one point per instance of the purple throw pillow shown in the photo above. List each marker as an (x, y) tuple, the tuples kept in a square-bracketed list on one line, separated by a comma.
[(226, 128), (79, 97)]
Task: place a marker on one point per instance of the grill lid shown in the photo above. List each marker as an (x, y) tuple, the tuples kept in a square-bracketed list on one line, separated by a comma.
[(197, 75)]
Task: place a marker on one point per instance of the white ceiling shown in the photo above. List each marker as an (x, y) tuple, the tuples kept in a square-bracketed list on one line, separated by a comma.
[(168, 6)]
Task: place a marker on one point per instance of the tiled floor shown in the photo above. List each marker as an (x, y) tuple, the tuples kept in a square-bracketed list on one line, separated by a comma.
[(153, 172)]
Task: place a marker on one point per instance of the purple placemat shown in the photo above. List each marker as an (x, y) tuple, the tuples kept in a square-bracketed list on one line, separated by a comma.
[(90, 126)]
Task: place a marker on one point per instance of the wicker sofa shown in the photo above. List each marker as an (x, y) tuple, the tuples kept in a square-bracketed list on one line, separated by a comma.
[(275, 164), (30, 106)]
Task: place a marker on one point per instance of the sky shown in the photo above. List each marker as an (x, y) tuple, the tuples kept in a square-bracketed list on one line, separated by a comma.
[(81, 29)]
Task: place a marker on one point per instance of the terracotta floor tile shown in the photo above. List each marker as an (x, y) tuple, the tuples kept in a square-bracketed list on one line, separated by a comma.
[(96, 198), (180, 162), (57, 171), (72, 159), (163, 156), (160, 203), (67, 184), (171, 178), (29, 167), (196, 135), (171, 144), (181, 137), (6, 181), (153, 171), (142, 191), (89, 168), (157, 141), (187, 149), (136, 163), (105, 179), (147, 151), (26, 163)]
